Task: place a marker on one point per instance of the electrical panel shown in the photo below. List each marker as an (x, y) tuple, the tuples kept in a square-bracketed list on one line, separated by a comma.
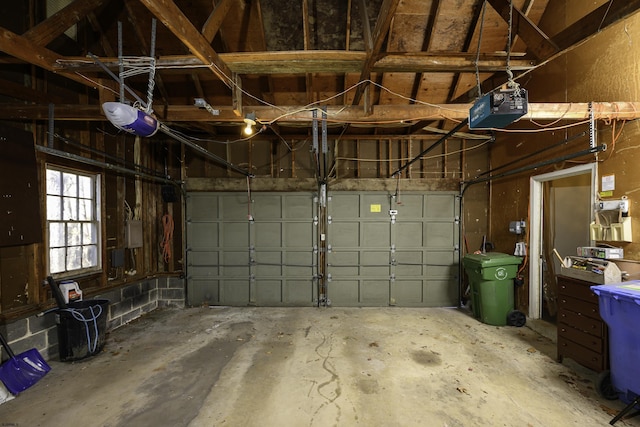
[(498, 109), (133, 234)]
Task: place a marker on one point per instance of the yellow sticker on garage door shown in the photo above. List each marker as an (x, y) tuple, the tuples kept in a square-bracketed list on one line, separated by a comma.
[(376, 208)]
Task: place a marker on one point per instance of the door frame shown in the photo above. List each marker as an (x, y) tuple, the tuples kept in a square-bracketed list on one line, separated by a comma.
[(536, 229)]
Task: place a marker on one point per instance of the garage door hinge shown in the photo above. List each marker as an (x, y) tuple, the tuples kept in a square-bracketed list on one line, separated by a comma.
[(457, 220), (329, 277), (392, 277)]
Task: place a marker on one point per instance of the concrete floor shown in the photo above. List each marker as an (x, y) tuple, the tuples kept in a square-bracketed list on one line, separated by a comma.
[(316, 367)]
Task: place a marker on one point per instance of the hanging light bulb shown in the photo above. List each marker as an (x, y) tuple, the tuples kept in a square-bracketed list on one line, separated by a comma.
[(250, 121)]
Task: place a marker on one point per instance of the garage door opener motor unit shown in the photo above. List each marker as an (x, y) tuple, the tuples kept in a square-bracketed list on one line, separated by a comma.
[(498, 109)]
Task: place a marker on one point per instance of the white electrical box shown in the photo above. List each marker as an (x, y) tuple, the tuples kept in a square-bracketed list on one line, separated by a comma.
[(133, 234)]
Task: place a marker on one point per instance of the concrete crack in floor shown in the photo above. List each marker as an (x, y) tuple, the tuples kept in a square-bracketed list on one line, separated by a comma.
[(334, 380)]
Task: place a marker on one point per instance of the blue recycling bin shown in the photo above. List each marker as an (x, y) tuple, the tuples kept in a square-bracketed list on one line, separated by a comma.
[(620, 309)]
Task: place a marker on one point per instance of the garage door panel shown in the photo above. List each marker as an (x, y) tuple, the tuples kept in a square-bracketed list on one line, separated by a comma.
[(411, 206), (374, 264), (298, 292), (298, 207), (267, 206), (234, 292), (344, 293), (375, 206), (345, 234), (268, 234), (203, 292), (409, 234), (439, 206), (441, 293), (269, 292), (407, 293), (233, 206), (374, 293), (298, 235), (235, 264), (202, 258), (409, 263), (376, 235), (439, 235), (204, 272), (344, 263), (344, 205), (203, 236), (268, 264), (202, 207), (298, 264), (234, 235)]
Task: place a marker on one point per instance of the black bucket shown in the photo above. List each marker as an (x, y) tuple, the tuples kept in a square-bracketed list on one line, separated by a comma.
[(82, 328)]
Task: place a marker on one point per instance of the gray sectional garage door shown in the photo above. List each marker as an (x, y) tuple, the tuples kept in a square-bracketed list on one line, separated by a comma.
[(381, 250)]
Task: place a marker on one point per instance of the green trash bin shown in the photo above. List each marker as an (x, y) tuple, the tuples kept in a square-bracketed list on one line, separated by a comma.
[(491, 281)]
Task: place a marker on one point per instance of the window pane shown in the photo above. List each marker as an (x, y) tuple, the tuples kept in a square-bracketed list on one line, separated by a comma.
[(89, 256), (69, 184), (85, 210), (53, 182), (54, 210), (74, 258), (56, 260), (85, 187), (89, 234), (70, 208), (73, 234), (56, 234)]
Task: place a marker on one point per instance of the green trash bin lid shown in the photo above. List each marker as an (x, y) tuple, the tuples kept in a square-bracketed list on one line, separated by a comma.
[(491, 259)]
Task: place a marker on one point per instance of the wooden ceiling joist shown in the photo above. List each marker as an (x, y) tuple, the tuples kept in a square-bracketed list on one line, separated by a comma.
[(172, 17), (47, 31), (390, 114)]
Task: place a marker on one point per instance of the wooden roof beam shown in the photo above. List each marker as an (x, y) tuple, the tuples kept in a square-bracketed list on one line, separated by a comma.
[(175, 20), (29, 52), (215, 19), (47, 31), (607, 14), (336, 114), (380, 32), (540, 45), (327, 61)]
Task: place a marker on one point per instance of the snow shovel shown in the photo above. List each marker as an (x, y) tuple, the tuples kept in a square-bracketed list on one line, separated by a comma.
[(22, 371)]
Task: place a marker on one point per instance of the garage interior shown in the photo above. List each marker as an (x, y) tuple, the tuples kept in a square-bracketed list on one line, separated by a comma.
[(276, 198)]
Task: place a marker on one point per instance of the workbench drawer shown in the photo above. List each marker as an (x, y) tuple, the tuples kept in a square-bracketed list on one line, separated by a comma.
[(576, 289), (586, 340), (579, 321), (584, 308), (582, 355)]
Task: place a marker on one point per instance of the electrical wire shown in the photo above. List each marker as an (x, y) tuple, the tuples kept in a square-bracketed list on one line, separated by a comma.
[(167, 237)]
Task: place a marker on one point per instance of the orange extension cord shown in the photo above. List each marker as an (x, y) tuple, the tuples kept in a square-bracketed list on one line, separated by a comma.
[(167, 237)]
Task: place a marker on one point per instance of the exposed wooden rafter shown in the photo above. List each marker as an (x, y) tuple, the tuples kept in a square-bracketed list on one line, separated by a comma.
[(336, 114), (383, 23), (172, 17)]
